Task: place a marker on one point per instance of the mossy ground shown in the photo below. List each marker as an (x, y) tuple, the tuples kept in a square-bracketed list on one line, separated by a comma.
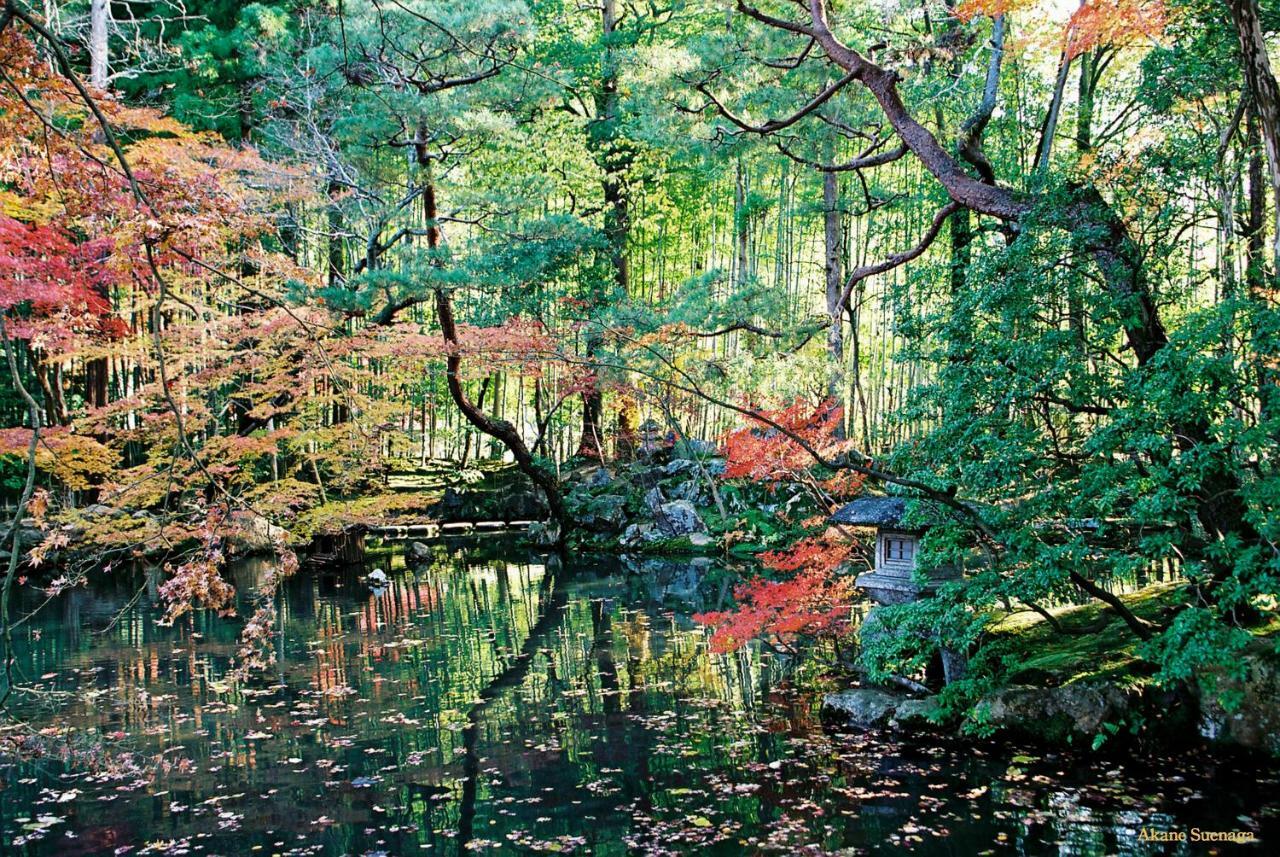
[(1095, 643)]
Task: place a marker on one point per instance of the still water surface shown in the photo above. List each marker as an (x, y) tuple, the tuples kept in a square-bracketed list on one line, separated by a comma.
[(496, 701)]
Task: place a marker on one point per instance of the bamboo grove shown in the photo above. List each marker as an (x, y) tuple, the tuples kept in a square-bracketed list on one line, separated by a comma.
[(258, 259)]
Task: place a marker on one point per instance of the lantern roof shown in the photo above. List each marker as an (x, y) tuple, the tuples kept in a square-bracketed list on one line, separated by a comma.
[(879, 512)]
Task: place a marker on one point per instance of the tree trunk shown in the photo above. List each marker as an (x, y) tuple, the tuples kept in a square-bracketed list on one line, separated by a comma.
[(970, 146), (1256, 274), (466, 443), (95, 382), (612, 160), (961, 328), (617, 214), (833, 245), (1089, 72), (741, 227), (1050, 128), (289, 233), (1255, 241), (99, 30), (1266, 97), (591, 445), (501, 430), (51, 387), (335, 251)]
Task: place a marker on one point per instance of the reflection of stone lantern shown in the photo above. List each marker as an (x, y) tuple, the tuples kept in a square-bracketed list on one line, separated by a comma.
[(894, 579)]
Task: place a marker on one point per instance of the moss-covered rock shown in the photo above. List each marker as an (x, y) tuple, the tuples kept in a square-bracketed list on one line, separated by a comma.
[(1081, 710)]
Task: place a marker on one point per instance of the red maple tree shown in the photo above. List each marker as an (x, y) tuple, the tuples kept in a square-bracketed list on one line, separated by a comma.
[(815, 603)]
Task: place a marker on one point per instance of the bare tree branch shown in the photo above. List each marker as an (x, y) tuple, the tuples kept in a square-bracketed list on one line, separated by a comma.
[(781, 24), (776, 124), (864, 161), (898, 259)]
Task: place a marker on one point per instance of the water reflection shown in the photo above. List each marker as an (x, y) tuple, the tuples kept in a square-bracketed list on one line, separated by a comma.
[(491, 699)]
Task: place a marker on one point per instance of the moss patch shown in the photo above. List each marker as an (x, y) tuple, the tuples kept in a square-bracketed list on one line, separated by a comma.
[(1097, 644), (336, 515)]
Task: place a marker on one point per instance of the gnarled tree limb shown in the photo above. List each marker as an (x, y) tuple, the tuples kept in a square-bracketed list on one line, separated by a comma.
[(495, 428), (772, 125), (898, 259)]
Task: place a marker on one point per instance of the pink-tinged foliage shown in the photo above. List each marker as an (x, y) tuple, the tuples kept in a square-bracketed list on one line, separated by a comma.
[(520, 345), (198, 583)]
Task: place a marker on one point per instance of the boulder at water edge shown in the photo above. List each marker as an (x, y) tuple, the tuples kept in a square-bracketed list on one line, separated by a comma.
[(863, 707)]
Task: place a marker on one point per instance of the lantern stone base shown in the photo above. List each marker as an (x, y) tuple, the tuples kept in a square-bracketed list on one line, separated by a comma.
[(890, 589)]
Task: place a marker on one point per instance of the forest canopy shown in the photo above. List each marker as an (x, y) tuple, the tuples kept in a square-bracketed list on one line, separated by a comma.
[(1012, 260)]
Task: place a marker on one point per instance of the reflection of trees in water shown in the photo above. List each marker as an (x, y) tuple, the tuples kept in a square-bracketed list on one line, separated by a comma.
[(571, 709), (474, 685), (551, 606), (478, 685)]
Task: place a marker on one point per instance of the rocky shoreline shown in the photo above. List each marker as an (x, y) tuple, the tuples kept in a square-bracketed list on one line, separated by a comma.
[(1089, 713)]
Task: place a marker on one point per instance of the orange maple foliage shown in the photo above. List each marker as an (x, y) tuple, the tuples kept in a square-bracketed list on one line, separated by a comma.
[(761, 452), (75, 461), (969, 9), (810, 604), (814, 603), (1115, 23), (813, 553), (1096, 23)]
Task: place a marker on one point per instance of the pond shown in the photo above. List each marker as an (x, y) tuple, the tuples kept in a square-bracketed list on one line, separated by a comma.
[(498, 701)]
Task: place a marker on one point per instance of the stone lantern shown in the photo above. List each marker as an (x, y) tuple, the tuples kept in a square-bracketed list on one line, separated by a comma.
[(894, 578), (650, 437)]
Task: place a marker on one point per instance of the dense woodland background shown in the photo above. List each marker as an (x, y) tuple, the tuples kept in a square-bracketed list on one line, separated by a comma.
[(1015, 258)]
